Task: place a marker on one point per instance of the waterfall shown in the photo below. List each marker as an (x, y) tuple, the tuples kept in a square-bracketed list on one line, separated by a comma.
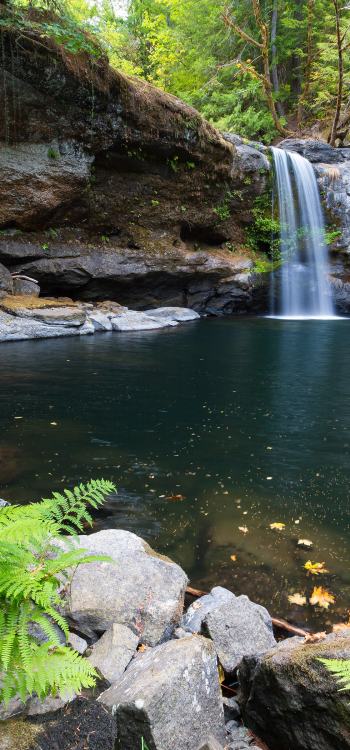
[(304, 291)]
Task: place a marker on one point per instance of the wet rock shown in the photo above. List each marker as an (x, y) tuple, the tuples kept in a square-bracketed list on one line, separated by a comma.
[(112, 653), (139, 589), (79, 644), (291, 700), (25, 286), (6, 282), (170, 694), (138, 321), (315, 150)]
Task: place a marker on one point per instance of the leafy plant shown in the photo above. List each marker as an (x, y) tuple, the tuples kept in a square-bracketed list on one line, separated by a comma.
[(341, 669), (35, 557), (52, 153)]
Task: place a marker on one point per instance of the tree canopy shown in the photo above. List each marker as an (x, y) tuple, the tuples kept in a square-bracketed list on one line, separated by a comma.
[(256, 67)]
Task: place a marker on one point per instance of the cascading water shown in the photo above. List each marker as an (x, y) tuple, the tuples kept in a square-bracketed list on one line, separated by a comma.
[(304, 291)]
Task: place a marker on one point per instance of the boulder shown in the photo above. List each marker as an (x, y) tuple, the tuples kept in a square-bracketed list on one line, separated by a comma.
[(173, 314), (140, 588), (6, 282), (193, 619), (16, 328), (26, 286), (49, 705), (79, 644), (291, 700), (316, 150), (99, 321), (170, 696), (239, 628), (138, 321), (112, 653)]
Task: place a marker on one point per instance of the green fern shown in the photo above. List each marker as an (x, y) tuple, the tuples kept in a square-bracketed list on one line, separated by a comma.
[(36, 557), (341, 669)]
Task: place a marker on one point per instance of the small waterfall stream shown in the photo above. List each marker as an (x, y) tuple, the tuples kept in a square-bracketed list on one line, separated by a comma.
[(303, 291)]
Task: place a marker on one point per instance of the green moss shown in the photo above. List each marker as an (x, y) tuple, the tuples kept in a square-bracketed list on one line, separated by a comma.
[(18, 734)]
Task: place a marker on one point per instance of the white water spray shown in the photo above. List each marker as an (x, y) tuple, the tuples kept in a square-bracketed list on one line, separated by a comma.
[(304, 291)]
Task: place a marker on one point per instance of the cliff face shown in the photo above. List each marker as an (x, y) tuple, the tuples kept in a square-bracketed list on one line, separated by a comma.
[(111, 188)]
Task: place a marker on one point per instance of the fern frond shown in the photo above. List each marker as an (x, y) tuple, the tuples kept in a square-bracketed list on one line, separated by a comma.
[(340, 668), (34, 560)]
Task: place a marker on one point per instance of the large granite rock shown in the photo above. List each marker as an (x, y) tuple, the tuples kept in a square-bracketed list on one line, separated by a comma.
[(18, 327), (237, 626), (140, 588), (316, 151), (112, 653), (170, 696), (137, 321), (291, 700)]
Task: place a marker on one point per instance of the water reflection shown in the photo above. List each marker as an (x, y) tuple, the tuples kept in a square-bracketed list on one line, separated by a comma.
[(247, 420)]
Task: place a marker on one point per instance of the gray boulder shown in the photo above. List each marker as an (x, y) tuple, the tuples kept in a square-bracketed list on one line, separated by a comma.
[(112, 653), (315, 150), (239, 628), (193, 619), (24, 285), (291, 700), (138, 321), (170, 696), (16, 327), (140, 588), (6, 283), (50, 704), (79, 644), (173, 314)]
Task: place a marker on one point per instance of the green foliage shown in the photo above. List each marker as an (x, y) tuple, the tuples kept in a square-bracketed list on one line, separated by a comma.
[(341, 669), (35, 558), (263, 232)]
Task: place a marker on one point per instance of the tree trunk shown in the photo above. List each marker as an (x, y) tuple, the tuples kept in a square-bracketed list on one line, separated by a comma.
[(308, 65), (333, 133), (274, 68)]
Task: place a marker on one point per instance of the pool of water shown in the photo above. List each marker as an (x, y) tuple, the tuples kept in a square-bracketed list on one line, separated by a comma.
[(207, 429)]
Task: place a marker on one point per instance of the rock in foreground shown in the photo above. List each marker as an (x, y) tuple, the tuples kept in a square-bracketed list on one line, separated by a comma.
[(140, 589), (237, 626), (290, 699), (170, 696)]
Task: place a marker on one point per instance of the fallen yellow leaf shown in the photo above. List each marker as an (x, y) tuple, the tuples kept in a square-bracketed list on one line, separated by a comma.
[(315, 568), (243, 529), (233, 558), (321, 597), (297, 599), (221, 674), (278, 526)]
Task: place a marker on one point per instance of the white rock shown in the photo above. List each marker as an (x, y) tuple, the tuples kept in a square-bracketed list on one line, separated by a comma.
[(176, 314), (137, 321), (100, 321)]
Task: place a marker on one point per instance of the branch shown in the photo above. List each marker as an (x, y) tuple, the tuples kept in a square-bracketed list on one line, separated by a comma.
[(229, 22)]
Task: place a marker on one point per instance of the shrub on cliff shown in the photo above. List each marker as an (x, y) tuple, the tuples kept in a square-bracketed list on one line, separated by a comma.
[(35, 557)]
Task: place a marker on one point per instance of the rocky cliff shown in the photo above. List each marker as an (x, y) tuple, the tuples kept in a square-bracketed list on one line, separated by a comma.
[(110, 188)]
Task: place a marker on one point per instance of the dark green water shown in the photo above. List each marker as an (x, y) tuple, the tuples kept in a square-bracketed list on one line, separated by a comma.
[(248, 420)]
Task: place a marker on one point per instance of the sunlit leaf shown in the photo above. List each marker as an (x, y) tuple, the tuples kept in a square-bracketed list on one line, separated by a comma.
[(320, 597), (278, 526), (243, 529), (297, 599), (315, 568), (233, 558)]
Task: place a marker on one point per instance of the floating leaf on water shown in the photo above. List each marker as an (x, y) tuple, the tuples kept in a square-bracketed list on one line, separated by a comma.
[(315, 568), (243, 529), (320, 597), (233, 558), (175, 498), (278, 526), (297, 599), (305, 543), (54, 424)]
